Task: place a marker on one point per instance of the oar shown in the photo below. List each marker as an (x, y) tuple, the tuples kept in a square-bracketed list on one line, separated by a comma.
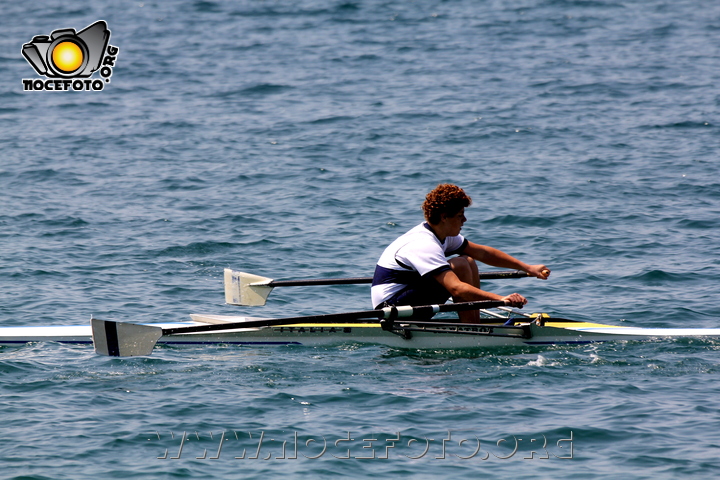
[(252, 290), (118, 339)]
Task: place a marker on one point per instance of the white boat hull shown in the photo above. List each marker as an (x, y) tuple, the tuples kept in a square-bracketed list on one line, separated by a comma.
[(555, 332)]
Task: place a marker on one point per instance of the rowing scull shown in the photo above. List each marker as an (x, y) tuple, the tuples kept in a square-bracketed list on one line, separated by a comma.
[(439, 335)]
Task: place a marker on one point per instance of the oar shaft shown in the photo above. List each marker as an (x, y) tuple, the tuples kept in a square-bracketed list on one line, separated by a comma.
[(385, 313), (330, 318), (319, 281), (247, 289), (128, 340), (360, 280)]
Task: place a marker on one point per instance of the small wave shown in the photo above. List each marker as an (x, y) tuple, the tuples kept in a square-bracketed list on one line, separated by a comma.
[(699, 224), (47, 175), (206, 6), (334, 119), (542, 362), (266, 88), (657, 277), (260, 89), (195, 249), (679, 125), (525, 221), (72, 222)]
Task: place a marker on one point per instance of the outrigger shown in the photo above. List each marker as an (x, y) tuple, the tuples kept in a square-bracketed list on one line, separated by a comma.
[(400, 327)]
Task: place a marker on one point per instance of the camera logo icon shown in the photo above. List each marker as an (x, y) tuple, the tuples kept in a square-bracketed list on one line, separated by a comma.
[(66, 54)]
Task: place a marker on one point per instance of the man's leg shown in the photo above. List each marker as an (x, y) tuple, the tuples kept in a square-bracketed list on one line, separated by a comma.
[(467, 271)]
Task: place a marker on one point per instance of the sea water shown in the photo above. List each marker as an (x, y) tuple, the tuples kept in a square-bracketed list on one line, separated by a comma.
[(296, 140)]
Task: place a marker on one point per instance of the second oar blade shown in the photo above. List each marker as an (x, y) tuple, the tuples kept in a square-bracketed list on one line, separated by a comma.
[(246, 289), (251, 290), (116, 339)]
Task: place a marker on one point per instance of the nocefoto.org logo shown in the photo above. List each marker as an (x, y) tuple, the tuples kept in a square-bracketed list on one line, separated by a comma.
[(68, 59)]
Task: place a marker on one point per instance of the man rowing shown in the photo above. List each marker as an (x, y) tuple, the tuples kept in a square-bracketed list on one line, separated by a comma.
[(415, 270)]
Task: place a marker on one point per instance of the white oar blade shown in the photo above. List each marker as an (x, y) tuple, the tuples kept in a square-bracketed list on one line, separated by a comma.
[(116, 339), (245, 288)]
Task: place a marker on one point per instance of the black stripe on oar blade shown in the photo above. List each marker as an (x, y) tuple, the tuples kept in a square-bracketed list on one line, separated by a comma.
[(105, 337), (111, 337)]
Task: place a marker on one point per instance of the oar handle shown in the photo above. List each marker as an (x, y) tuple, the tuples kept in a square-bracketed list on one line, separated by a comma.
[(503, 274)]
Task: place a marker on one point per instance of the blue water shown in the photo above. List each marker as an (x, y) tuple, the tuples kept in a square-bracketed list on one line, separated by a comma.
[(296, 140)]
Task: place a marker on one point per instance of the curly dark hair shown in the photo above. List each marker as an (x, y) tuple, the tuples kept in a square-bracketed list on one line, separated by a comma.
[(445, 198)]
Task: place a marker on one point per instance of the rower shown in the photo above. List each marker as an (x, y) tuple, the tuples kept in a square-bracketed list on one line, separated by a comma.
[(415, 270)]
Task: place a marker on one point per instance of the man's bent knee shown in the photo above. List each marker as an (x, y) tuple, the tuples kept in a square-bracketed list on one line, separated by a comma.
[(465, 268)]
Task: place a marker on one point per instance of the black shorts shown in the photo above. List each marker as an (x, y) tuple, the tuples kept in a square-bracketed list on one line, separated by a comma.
[(426, 291)]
